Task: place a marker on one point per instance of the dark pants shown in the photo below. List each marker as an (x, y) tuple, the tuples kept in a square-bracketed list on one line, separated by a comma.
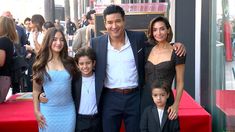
[(87, 123), (30, 62), (119, 106)]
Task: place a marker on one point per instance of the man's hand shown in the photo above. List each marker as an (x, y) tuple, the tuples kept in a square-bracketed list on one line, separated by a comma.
[(42, 98), (180, 49)]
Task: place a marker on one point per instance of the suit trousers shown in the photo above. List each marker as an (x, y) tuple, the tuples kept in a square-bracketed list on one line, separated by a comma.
[(88, 123), (118, 107)]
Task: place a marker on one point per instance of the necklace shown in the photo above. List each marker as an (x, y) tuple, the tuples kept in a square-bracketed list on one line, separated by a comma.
[(88, 85)]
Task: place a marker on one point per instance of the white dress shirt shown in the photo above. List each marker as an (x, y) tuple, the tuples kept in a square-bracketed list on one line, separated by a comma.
[(160, 114), (121, 69), (40, 39)]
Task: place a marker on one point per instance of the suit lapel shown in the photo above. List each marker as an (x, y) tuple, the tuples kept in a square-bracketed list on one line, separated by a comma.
[(102, 47), (164, 118), (133, 46), (79, 89), (156, 116)]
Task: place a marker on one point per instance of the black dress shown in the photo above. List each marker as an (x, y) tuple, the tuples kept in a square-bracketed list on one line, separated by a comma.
[(164, 70)]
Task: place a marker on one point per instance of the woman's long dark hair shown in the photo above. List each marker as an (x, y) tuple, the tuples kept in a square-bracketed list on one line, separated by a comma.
[(43, 57)]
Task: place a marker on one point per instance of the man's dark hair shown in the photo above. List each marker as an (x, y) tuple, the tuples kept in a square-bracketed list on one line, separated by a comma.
[(88, 15), (27, 19), (48, 25), (113, 9)]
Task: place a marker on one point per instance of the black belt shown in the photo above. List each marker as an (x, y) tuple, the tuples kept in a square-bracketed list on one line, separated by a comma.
[(122, 91), (88, 116)]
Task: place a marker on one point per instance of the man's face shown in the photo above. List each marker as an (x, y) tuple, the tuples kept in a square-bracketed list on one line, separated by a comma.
[(7, 14), (115, 25), (92, 20), (27, 25)]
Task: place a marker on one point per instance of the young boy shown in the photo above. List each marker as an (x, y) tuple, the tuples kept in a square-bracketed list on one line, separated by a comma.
[(155, 118), (84, 92)]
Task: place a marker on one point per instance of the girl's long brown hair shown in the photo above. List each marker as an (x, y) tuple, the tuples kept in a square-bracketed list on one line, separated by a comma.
[(43, 57)]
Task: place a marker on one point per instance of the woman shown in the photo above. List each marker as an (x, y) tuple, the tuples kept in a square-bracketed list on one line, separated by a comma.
[(163, 63), (35, 41), (36, 35), (53, 70), (8, 37)]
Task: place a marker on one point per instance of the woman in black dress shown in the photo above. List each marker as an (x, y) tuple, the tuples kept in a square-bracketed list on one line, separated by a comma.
[(163, 63)]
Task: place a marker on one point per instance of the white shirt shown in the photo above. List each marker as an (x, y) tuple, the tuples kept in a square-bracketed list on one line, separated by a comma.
[(160, 114), (88, 96), (40, 39), (121, 69)]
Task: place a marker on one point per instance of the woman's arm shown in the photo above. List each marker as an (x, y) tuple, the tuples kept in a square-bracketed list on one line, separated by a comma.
[(37, 89), (173, 110), (2, 57)]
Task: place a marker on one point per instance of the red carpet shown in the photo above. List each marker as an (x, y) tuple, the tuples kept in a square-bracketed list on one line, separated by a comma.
[(17, 115)]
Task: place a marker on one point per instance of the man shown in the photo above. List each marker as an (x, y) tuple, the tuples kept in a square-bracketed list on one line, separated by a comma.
[(70, 27), (84, 21), (27, 22), (82, 34), (120, 61), (90, 30), (119, 72)]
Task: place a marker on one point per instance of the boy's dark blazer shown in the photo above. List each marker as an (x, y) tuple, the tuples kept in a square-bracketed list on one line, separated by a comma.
[(150, 121), (76, 90), (100, 44)]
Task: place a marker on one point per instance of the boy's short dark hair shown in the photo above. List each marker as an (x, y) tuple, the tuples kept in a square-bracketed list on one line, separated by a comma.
[(162, 84), (85, 51), (113, 9)]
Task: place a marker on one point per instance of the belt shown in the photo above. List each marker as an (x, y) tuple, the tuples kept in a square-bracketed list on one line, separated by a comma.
[(122, 91), (88, 116)]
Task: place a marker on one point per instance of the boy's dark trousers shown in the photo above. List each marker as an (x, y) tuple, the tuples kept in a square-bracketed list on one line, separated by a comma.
[(88, 123)]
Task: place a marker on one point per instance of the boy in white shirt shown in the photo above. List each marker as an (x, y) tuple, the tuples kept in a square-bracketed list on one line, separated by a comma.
[(155, 117)]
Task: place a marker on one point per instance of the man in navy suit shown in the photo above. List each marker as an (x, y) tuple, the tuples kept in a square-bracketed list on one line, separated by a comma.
[(119, 72)]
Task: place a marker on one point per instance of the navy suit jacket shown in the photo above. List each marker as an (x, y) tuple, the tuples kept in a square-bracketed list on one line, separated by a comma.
[(150, 121), (22, 40), (100, 44)]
